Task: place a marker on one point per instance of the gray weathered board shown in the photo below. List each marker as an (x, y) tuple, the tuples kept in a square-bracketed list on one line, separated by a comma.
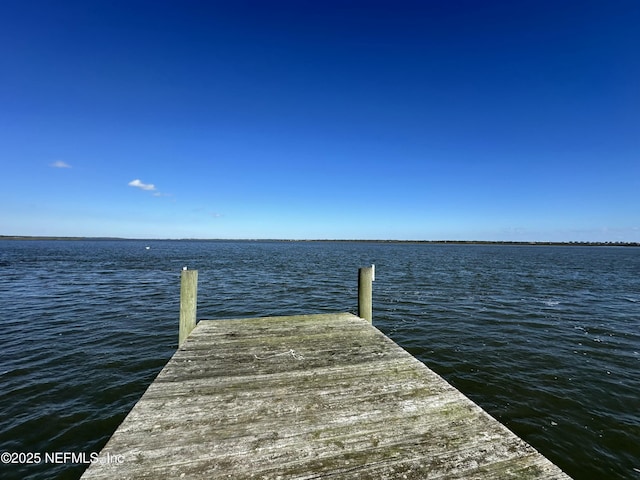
[(311, 396)]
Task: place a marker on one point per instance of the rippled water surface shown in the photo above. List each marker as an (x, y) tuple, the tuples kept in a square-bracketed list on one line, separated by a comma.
[(546, 339)]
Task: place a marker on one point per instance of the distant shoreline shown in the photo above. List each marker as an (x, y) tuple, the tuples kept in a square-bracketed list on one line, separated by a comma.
[(427, 242)]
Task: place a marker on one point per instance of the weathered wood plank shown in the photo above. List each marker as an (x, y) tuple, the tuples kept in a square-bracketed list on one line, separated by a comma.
[(314, 396), (188, 303)]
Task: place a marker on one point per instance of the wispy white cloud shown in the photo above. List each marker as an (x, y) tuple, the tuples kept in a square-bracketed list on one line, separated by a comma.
[(144, 186), (60, 164), (203, 211)]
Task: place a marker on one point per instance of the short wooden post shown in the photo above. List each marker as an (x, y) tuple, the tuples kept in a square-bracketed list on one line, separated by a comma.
[(365, 290), (188, 303)]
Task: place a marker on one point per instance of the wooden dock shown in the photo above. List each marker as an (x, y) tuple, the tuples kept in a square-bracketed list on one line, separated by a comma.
[(307, 397)]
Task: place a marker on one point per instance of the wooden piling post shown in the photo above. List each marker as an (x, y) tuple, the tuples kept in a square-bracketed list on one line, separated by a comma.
[(188, 303), (365, 290)]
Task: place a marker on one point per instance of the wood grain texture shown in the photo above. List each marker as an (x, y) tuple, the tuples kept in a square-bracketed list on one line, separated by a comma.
[(308, 397), (365, 293), (188, 303)]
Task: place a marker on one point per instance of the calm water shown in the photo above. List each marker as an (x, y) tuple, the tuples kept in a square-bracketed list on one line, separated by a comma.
[(546, 339)]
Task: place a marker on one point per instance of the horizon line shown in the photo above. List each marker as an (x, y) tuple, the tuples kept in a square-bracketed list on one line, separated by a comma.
[(470, 242)]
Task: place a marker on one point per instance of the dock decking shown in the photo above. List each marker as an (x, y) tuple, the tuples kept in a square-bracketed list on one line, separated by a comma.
[(308, 397)]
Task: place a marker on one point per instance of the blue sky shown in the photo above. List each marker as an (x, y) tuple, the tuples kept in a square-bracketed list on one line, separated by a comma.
[(470, 120)]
